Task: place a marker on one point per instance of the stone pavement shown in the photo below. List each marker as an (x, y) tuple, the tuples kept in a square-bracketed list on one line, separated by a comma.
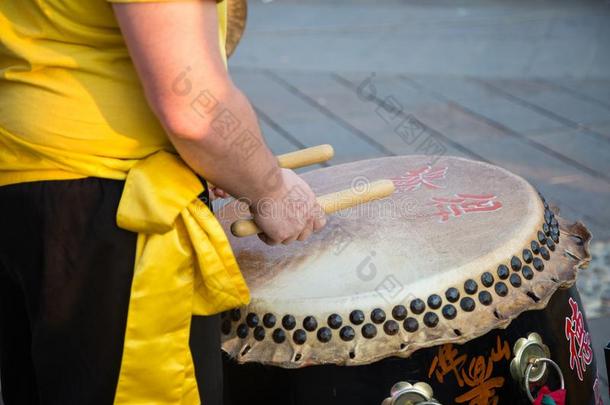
[(520, 84)]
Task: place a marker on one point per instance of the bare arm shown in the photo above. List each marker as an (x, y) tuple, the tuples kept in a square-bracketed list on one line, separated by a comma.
[(174, 46)]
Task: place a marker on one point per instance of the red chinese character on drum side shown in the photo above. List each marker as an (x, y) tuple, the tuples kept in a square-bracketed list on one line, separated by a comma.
[(463, 204), (414, 179), (581, 354)]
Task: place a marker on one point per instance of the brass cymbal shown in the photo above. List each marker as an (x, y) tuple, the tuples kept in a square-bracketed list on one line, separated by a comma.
[(237, 13)]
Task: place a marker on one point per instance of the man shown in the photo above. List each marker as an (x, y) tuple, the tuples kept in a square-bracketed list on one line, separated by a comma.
[(110, 114)]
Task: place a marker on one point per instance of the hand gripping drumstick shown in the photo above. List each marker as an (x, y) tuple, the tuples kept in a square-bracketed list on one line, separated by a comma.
[(330, 203), (303, 157)]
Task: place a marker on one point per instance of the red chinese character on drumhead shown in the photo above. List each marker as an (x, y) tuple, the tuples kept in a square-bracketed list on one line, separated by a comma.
[(581, 354), (414, 179), (463, 204)]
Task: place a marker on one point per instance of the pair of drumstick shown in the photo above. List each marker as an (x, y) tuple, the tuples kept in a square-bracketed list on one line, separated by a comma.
[(330, 203)]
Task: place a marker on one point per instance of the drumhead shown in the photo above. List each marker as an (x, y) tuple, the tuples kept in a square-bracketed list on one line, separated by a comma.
[(447, 257)]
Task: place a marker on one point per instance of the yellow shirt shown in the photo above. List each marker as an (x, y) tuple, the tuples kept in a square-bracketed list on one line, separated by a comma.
[(71, 104)]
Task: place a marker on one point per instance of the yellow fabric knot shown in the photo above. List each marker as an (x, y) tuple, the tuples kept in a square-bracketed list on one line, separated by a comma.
[(184, 265)]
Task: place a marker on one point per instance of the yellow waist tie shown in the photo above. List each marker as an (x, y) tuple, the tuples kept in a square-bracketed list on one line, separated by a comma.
[(184, 265)]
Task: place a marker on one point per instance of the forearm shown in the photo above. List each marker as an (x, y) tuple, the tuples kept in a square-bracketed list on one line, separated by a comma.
[(175, 50), (227, 147), (209, 121)]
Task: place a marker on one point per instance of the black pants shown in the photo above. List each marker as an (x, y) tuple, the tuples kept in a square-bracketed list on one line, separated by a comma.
[(65, 279)]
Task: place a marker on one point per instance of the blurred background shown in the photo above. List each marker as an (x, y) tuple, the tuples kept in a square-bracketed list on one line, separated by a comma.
[(521, 84)]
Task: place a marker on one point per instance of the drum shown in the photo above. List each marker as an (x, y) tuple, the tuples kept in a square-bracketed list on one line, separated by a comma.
[(459, 288)]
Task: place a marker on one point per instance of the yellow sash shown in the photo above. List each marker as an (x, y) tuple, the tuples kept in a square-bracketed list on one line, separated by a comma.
[(184, 265)]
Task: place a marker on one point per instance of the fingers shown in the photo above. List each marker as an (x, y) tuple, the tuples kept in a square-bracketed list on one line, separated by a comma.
[(319, 219), (306, 232), (219, 193), (267, 240), (295, 215), (300, 225), (289, 240), (314, 224)]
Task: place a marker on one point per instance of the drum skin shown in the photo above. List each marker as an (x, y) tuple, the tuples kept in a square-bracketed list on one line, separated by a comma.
[(483, 361)]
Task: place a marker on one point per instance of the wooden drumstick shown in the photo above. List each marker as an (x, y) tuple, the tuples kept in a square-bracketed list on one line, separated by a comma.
[(306, 157), (303, 157), (330, 203)]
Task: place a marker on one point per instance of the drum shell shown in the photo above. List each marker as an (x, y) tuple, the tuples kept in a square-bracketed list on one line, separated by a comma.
[(370, 384)]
